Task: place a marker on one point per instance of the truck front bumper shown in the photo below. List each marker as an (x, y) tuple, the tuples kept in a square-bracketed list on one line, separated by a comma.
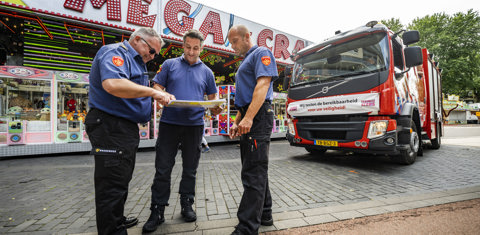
[(354, 137)]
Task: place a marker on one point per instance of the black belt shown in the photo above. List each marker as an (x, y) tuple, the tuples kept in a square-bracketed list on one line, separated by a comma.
[(244, 108), (112, 116)]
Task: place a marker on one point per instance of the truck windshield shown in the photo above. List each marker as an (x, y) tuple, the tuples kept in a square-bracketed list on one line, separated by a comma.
[(337, 61)]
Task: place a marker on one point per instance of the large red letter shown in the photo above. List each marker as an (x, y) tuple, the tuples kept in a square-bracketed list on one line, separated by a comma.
[(136, 10), (171, 16), (114, 11), (299, 45), (281, 46), (212, 25), (263, 36)]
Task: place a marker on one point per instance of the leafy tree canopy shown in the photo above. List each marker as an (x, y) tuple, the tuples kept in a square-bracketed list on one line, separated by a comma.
[(393, 24), (455, 42)]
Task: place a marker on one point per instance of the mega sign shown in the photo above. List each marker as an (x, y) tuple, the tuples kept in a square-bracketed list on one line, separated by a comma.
[(135, 11), (182, 15), (124, 14), (171, 18)]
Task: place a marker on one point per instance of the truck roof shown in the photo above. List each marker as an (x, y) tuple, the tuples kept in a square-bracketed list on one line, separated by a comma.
[(338, 37)]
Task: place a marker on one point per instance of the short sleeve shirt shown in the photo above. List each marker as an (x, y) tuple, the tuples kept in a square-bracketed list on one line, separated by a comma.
[(258, 62), (119, 61), (185, 82)]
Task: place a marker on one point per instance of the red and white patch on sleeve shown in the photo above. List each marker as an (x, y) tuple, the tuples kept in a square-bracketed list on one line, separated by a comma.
[(117, 60), (266, 60)]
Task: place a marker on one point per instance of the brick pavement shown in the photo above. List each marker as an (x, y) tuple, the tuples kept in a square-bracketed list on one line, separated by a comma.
[(46, 195)]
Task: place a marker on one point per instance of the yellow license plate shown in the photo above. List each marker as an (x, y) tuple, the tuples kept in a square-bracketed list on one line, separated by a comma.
[(326, 143)]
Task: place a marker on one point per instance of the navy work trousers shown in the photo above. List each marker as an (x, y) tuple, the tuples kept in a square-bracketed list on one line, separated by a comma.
[(114, 144), (169, 138), (254, 146)]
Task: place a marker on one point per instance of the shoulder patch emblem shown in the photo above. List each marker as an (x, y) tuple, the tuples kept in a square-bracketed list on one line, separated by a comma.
[(266, 60), (117, 60)]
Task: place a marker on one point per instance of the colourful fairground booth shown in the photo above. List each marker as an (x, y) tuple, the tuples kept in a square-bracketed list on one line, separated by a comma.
[(47, 48)]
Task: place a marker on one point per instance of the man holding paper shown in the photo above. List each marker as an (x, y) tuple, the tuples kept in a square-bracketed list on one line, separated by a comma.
[(187, 78)]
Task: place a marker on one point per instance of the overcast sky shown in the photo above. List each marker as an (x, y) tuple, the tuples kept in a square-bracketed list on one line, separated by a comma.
[(315, 20)]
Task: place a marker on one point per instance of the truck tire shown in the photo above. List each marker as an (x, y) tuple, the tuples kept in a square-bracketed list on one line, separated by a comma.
[(438, 140), (409, 155), (314, 151)]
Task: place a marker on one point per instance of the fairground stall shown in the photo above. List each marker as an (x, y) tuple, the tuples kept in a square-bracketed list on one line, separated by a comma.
[(46, 51), (457, 111)]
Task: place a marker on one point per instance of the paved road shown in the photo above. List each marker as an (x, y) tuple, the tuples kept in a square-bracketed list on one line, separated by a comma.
[(54, 194)]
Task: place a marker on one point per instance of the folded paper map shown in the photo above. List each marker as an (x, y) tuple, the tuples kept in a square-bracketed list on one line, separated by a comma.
[(195, 103)]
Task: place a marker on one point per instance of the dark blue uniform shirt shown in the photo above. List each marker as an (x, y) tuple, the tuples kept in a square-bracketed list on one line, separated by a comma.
[(119, 61), (258, 62), (185, 82)]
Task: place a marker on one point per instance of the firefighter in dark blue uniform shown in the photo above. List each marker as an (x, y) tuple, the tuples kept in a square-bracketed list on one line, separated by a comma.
[(119, 99), (254, 123)]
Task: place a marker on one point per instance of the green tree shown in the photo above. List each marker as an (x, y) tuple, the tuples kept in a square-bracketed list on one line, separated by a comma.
[(455, 43), (393, 24)]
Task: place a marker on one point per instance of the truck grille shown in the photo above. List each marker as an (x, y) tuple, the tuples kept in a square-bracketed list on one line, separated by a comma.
[(340, 128)]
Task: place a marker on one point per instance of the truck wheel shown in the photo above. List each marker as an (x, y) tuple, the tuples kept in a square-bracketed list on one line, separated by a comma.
[(409, 156), (313, 151), (438, 140)]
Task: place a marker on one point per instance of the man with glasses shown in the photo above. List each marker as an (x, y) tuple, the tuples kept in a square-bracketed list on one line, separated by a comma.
[(152, 51), (188, 78), (119, 99)]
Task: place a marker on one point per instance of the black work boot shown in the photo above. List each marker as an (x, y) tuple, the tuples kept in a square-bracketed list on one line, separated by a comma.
[(156, 218), (130, 222), (187, 210), (267, 220)]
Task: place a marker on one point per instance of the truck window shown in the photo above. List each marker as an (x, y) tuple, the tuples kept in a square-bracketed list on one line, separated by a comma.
[(397, 54), (338, 61)]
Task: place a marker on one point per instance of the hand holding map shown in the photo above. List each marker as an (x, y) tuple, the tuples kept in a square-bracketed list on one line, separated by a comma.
[(195, 103)]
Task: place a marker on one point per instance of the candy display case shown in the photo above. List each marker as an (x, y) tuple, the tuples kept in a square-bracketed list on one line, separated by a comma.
[(227, 116), (71, 97), (3, 130), (280, 119), (25, 101)]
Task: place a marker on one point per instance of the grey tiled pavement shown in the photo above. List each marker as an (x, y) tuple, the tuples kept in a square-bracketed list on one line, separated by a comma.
[(54, 194)]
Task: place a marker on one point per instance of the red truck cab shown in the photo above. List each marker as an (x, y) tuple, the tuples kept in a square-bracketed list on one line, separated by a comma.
[(362, 90)]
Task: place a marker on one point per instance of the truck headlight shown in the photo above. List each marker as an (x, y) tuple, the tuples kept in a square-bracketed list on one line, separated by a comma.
[(377, 129), (291, 127)]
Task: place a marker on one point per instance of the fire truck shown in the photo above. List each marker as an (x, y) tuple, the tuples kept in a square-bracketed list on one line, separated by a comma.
[(366, 90)]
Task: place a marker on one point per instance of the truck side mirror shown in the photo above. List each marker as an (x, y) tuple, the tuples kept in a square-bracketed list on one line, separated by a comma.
[(410, 37), (413, 56)]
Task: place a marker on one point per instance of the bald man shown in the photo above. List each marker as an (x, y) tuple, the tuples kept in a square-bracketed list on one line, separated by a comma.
[(254, 123)]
